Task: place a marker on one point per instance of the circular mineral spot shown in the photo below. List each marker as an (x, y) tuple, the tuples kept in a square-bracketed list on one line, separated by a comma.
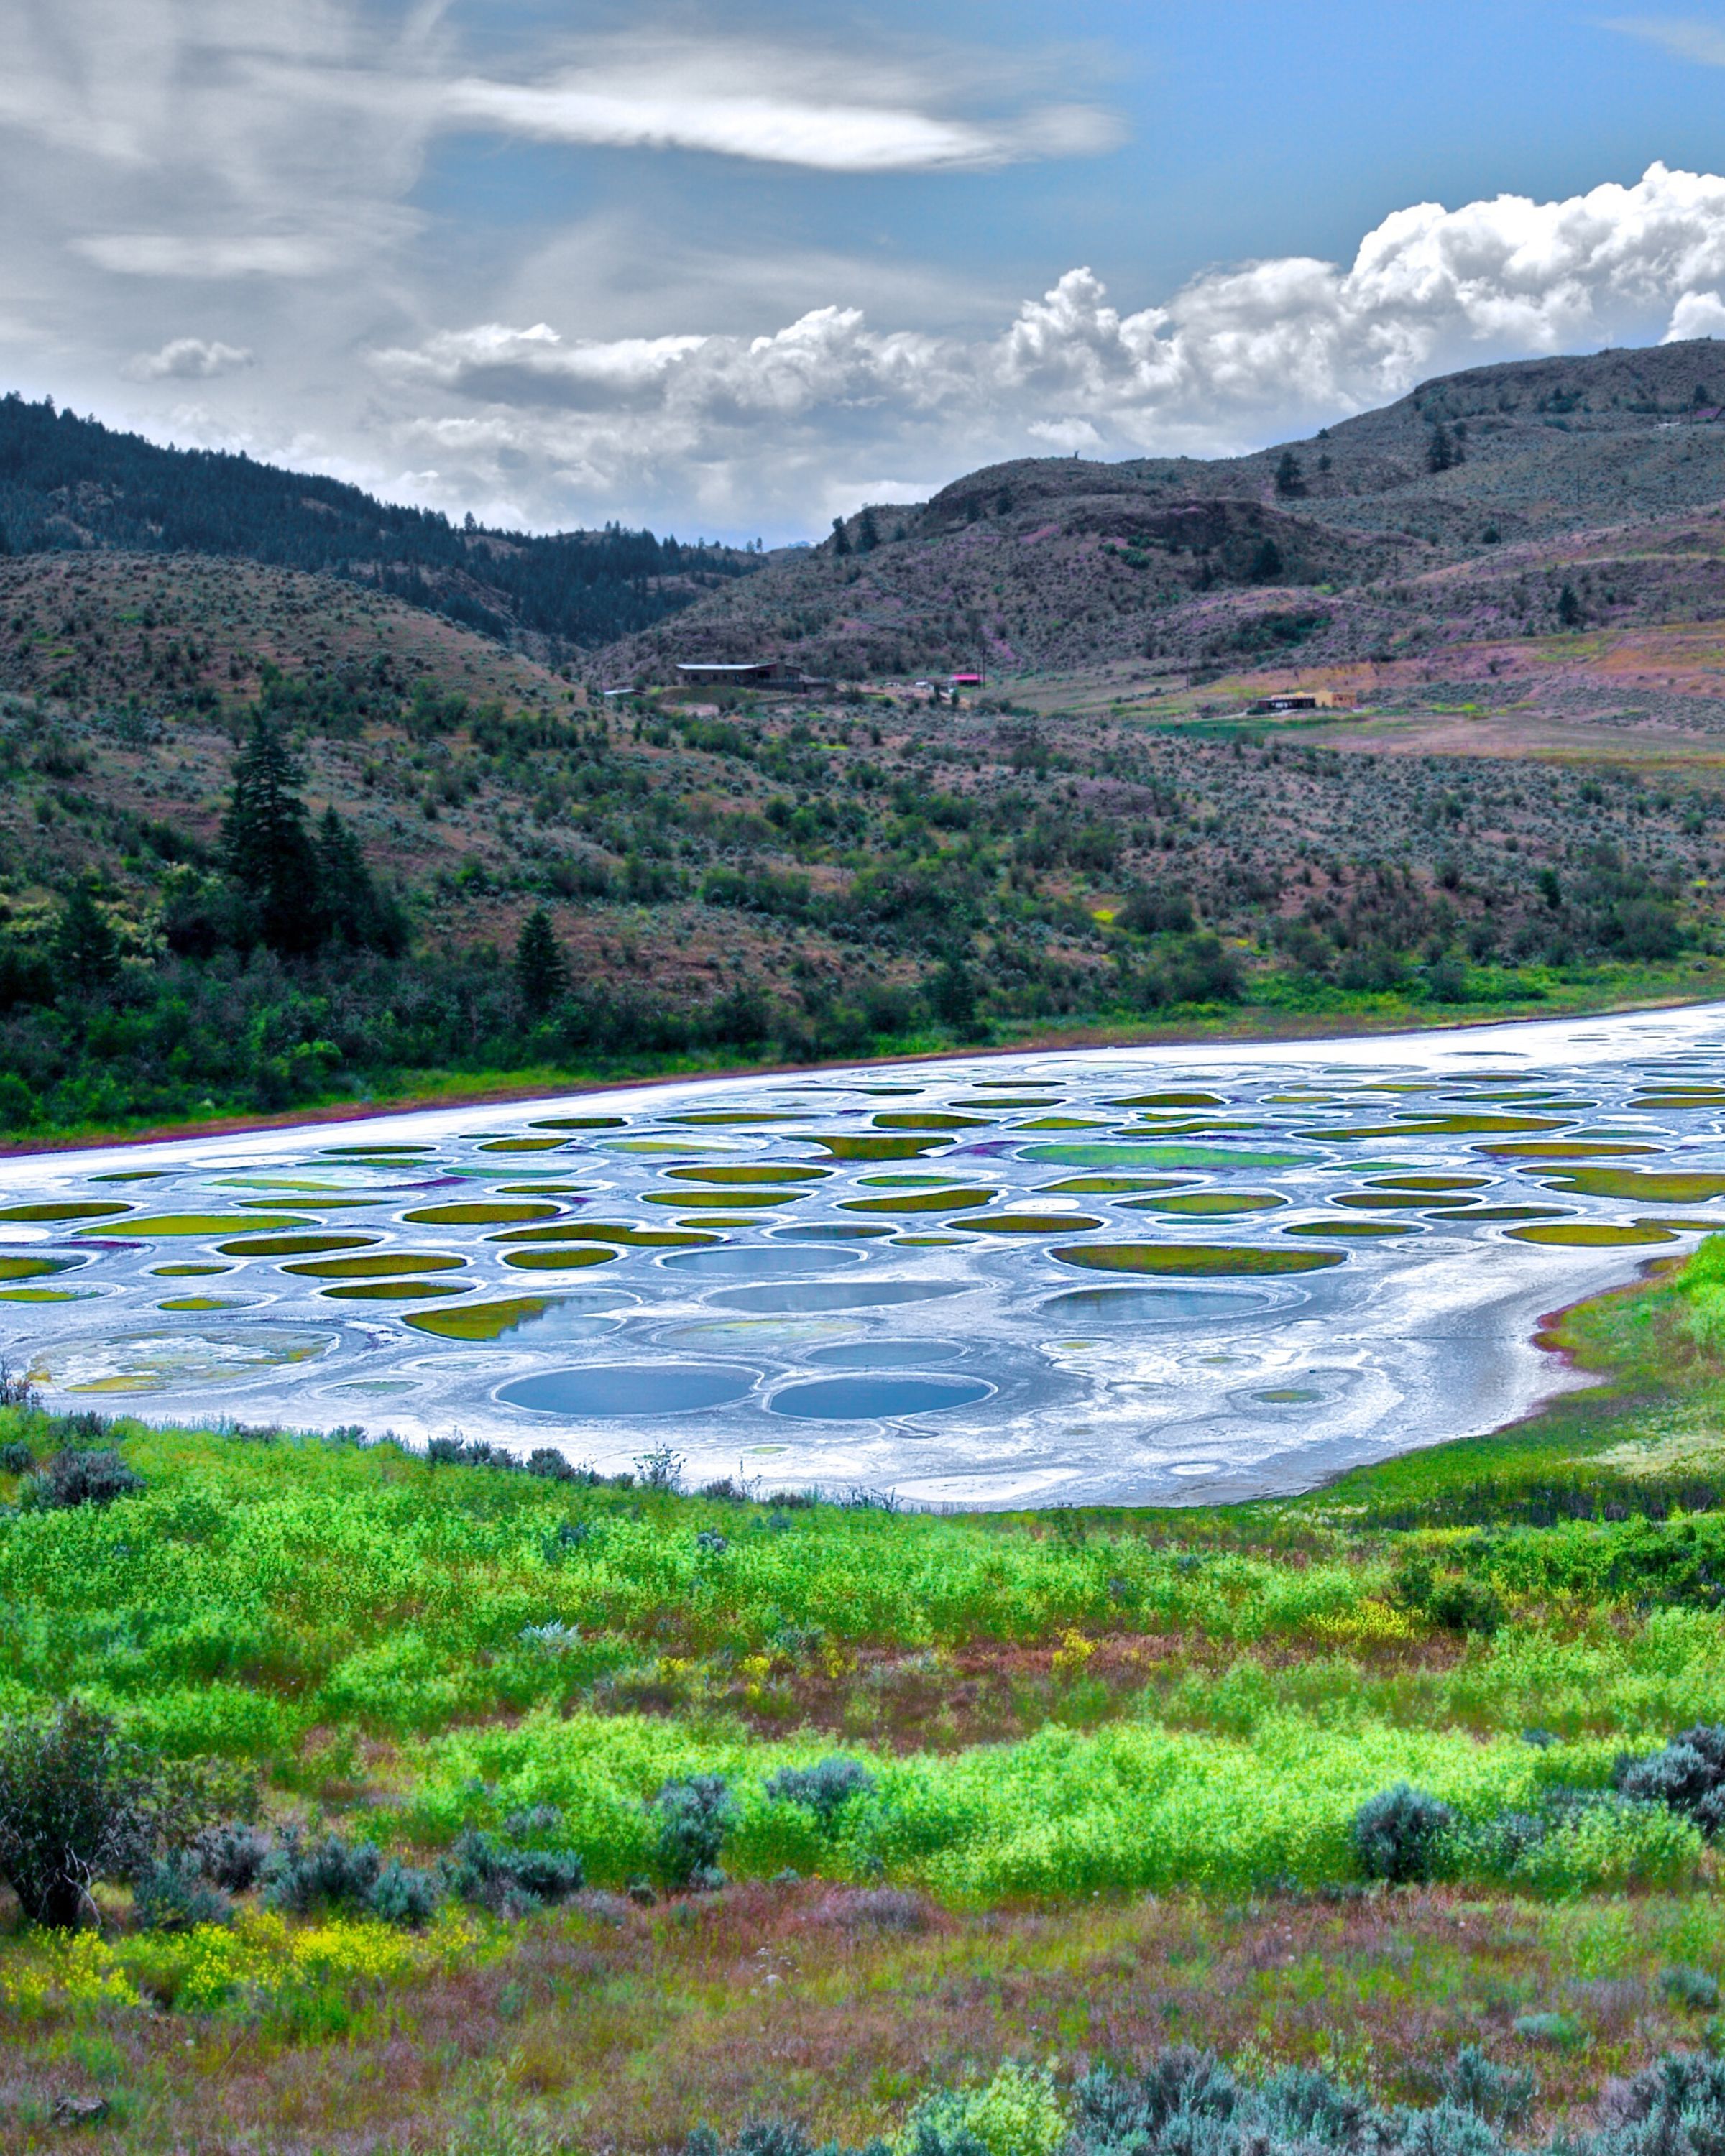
[(609, 1231), (378, 1264), (953, 1199), (67, 1210), (1430, 1183), (1214, 1204), (292, 1246), (21, 1269), (579, 1123), (1591, 1235), (178, 1302), (188, 1272), (874, 1400), (710, 1199), (546, 1317), (1196, 1260), (926, 1122), (1170, 1101), (520, 1145), (1644, 1188), (395, 1291), (611, 1389), (208, 1223), (1123, 1154), (849, 1148), (1031, 1223), (1352, 1228), (752, 1171), (760, 1262), (560, 1260), (177, 1361), (1368, 1201), (886, 1354), (479, 1214), (1110, 1186)]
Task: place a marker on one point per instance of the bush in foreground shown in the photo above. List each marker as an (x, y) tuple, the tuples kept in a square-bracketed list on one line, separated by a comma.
[(1399, 1835), (75, 1808)]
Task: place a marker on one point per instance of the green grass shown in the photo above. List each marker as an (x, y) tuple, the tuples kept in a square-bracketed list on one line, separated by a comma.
[(1062, 1714)]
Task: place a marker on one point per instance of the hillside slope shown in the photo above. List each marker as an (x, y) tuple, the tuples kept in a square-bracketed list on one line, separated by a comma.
[(72, 483), (1465, 507)]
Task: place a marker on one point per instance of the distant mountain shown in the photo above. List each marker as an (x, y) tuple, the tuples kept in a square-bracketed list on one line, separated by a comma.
[(1465, 508), (67, 483)]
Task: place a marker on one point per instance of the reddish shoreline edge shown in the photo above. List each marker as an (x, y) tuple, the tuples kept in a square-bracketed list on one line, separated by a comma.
[(357, 1112)]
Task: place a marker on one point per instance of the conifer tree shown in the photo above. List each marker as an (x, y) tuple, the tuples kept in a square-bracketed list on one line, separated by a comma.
[(265, 848), (85, 945), (542, 972)]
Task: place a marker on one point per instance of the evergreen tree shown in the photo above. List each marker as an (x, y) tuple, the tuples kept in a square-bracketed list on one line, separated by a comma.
[(1267, 564), (351, 909), (85, 945), (841, 537), (265, 848), (868, 536), (542, 972), (1443, 450), (1569, 608), (1290, 479)]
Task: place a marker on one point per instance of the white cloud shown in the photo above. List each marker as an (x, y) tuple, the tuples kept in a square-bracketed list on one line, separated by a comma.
[(199, 255), (767, 427), (1680, 34), (188, 359)]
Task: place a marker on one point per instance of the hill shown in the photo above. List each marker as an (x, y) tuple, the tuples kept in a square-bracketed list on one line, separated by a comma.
[(67, 483), (1466, 506)]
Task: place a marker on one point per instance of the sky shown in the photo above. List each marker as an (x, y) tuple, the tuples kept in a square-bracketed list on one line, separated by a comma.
[(730, 267)]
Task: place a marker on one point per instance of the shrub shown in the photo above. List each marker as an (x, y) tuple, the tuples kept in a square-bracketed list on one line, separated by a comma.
[(404, 1897), (1688, 1775), (694, 1815), (824, 1788), (232, 1856), (1397, 1834), (556, 1466), (1017, 2113), (173, 1895), (1692, 1988), (510, 1881), (74, 1478), (17, 1459), (74, 1807), (1503, 2094)]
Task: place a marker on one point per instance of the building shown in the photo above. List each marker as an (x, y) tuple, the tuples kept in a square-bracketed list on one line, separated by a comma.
[(964, 680), (1301, 699), (745, 674)]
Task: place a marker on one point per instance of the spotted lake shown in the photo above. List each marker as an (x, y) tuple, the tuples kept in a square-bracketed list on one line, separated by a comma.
[(1145, 1276)]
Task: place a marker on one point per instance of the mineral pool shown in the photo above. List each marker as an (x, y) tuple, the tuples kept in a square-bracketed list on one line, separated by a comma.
[(1133, 1275)]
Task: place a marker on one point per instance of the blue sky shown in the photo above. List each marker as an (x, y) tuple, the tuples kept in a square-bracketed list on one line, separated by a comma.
[(732, 269)]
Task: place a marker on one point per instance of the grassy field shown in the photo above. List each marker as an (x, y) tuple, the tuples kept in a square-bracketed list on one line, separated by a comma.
[(1104, 1768)]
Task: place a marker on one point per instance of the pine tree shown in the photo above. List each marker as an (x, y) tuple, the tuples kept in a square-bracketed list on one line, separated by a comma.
[(1290, 479), (1569, 608), (350, 910), (542, 972), (868, 536), (841, 537), (85, 945), (265, 848)]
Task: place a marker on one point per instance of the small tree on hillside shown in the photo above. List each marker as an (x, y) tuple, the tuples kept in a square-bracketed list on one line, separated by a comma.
[(1289, 478), (350, 907), (1569, 608), (841, 537), (1267, 564), (265, 847), (542, 972), (85, 945)]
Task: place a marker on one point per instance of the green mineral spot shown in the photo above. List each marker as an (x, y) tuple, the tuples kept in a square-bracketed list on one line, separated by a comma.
[(397, 1290), (1196, 1260), (478, 1213), (588, 1254), (482, 1321), (65, 1209)]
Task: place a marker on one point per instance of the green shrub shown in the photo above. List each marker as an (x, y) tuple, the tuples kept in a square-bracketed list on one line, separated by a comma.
[(1690, 1987), (173, 1895), (340, 1875), (75, 1477), (16, 1458), (824, 1788), (693, 1816), (75, 1808), (1688, 1774), (499, 1875), (1398, 1835), (1504, 2095)]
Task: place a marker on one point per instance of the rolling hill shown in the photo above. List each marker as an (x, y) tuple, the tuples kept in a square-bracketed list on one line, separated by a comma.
[(1462, 510), (72, 485)]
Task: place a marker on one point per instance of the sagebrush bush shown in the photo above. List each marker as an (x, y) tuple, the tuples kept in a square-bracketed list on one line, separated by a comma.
[(232, 1856), (1687, 1775), (333, 1874), (174, 1895), (1398, 1835), (693, 1814), (16, 1458), (824, 1788), (76, 1477), (501, 1875)]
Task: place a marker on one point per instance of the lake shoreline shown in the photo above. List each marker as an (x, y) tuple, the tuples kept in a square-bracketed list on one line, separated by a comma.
[(546, 1083)]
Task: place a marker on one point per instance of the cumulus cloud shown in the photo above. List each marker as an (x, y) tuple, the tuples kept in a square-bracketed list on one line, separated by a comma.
[(188, 359), (751, 425)]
